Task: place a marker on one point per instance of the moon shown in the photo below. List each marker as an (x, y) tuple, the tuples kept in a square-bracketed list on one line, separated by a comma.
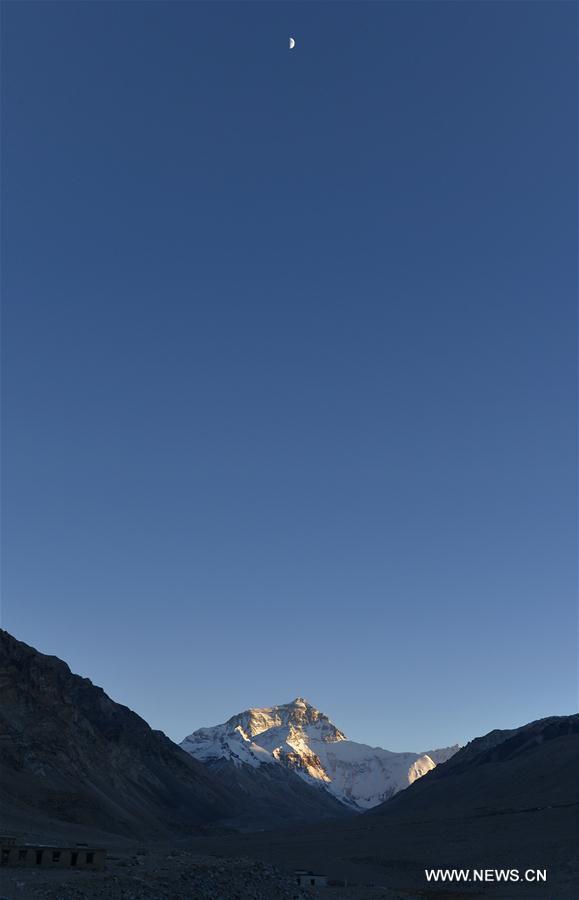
[(292, 43)]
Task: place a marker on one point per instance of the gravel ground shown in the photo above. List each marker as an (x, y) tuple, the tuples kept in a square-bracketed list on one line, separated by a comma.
[(178, 875)]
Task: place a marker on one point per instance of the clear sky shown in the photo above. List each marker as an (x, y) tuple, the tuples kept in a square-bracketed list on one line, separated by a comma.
[(289, 357)]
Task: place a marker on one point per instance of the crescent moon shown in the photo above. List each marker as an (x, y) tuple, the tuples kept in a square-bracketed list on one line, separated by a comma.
[(292, 43)]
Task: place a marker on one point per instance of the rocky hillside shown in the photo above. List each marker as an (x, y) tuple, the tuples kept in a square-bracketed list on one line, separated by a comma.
[(68, 752), (525, 768)]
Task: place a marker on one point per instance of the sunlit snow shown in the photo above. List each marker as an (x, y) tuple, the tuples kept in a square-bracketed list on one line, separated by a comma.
[(300, 737)]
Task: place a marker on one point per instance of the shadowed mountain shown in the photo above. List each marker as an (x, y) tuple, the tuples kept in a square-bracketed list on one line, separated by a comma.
[(70, 754), (275, 797), (524, 768)]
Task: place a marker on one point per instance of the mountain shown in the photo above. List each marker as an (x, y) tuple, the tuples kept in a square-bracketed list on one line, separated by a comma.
[(508, 800), (500, 771), (299, 738), (70, 753), (275, 797)]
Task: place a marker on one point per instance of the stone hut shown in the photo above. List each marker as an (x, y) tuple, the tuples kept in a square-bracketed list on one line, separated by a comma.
[(52, 856)]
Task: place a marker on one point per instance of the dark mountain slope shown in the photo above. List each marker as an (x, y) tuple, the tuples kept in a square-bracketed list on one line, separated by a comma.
[(68, 752), (276, 796), (528, 767)]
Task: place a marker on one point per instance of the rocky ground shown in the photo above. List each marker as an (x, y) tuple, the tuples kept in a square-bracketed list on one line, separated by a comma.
[(152, 874), (177, 875), (183, 876)]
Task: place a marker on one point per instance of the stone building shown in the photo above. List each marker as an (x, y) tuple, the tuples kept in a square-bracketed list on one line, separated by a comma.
[(306, 879), (79, 856)]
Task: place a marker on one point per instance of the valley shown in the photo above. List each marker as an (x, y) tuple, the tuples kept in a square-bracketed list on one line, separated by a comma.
[(254, 806)]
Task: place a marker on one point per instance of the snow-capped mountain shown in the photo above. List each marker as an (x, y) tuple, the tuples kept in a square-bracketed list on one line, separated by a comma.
[(299, 737)]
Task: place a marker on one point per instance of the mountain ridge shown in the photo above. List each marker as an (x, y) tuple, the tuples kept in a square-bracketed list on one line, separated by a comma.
[(71, 754), (302, 739)]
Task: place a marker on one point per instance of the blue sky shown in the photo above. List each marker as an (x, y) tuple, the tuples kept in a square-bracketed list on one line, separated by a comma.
[(289, 358)]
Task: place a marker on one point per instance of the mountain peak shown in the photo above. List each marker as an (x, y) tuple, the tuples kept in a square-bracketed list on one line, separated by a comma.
[(299, 716), (299, 737)]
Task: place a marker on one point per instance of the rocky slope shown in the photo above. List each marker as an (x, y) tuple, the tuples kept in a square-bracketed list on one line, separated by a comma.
[(69, 753), (530, 767), (299, 738)]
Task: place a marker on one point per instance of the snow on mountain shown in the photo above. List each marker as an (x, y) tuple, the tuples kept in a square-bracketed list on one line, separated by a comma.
[(299, 737), (442, 755)]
